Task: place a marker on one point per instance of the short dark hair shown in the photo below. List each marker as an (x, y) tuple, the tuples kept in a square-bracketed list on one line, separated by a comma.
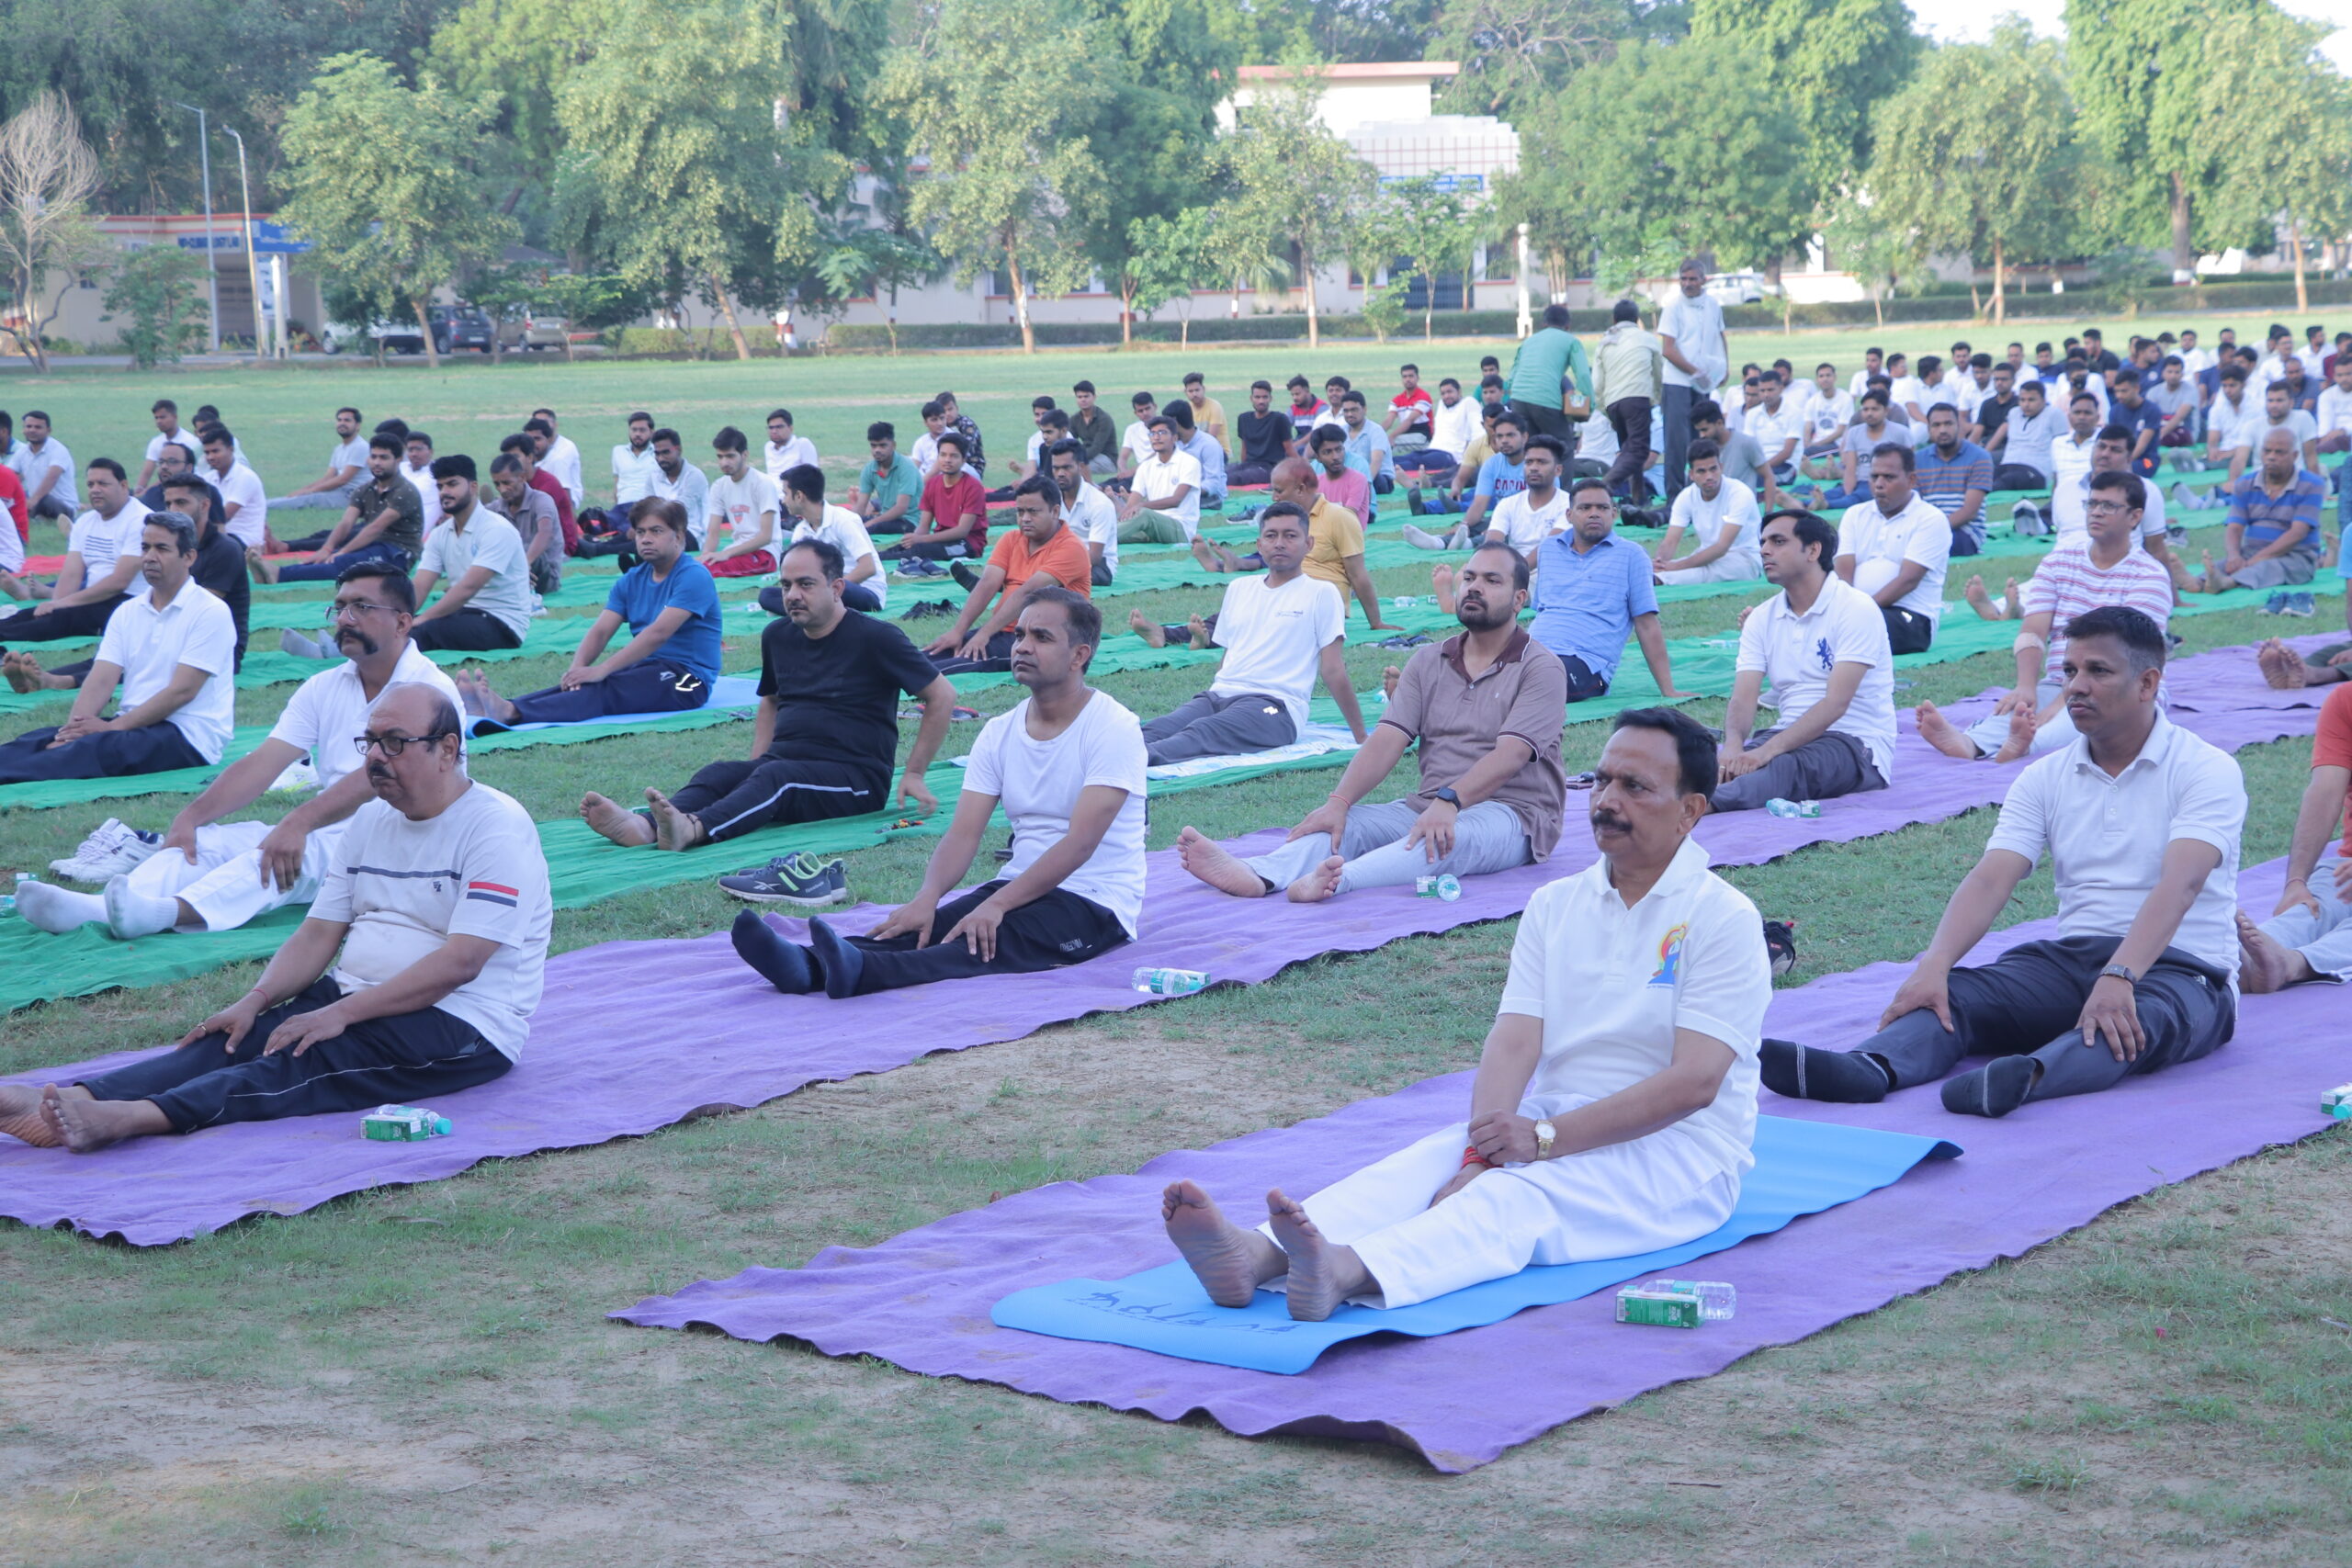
[(208, 434), (1928, 365), (1085, 620), (109, 464), (355, 416), (397, 586), (784, 414), (418, 436), (1351, 395), (1700, 449), (1086, 387), (2134, 489), (518, 442), (1143, 401), (1555, 316), (640, 417), (828, 554), (537, 426), (181, 529), (1040, 403), (2115, 433), (162, 405), (1898, 450), (1299, 381), (543, 414), (1262, 386), (2085, 397), (1176, 412), (1038, 484), (806, 479), (1694, 745), (455, 466), (951, 438), (661, 509), (394, 427), (729, 439), (1323, 436), (385, 440), (1706, 410), (506, 463), (881, 430), (665, 434), (1512, 416), (198, 483), (1551, 443), (1067, 447), (1590, 482), (1194, 379), (1624, 310), (1811, 528), (1053, 419), (2143, 639), (1283, 508), (1519, 576), (933, 409)]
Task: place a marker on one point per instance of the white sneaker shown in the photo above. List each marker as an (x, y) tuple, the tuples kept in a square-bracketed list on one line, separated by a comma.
[(2187, 498), (538, 606), (111, 850)]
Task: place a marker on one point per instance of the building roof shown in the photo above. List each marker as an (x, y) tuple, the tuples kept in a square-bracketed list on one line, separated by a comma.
[(1371, 71)]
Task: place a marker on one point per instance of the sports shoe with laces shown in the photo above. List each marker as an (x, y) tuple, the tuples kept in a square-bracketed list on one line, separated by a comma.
[(800, 878), (2301, 605), (111, 849)]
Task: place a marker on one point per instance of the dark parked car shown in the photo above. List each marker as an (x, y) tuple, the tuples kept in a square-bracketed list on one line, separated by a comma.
[(459, 326)]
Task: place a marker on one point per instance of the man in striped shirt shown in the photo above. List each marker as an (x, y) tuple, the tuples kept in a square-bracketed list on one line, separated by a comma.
[(2273, 532), (2073, 580), (1955, 475)]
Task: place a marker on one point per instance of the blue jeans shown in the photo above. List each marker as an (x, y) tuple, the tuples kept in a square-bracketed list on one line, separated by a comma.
[(329, 570)]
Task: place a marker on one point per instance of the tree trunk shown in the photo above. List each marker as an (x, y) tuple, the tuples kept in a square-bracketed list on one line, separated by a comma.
[(1126, 314), (1021, 303), (2000, 292), (2183, 248), (2295, 244), (1878, 306), (734, 327), (425, 325), (1306, 269), (1185, 331)]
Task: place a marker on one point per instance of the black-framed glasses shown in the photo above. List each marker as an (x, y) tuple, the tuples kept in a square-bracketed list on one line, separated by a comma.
[(394, 745)]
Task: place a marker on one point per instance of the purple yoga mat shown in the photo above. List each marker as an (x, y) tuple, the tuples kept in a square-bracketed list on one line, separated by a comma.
[(602, 1064), (921, 1300), (2228, 679)]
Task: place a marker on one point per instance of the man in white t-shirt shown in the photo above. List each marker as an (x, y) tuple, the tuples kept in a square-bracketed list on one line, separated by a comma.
[(2069, 503), (244, 504), (101, 566), (416, 468), (740, 512), (2070, 455), (346, 471), (2234, 423), (1066, 765), (864, 585), (561, 459), (1829, 410), (172, 649), (205, 875), (1720, 515), (414, 977), (488, 603), (168, 433), (1613, 1112), (1278, 632), (1698, 356), (1134, 442), (1091, 516), (2142, 822), (1163, 503), (1820, 643), (1524, 520), (784, 451), (1894, 547), (2336, 409), (45, 466), (1779, 426)]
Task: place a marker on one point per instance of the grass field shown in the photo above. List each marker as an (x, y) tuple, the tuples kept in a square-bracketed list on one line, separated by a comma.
[(425, 1374)]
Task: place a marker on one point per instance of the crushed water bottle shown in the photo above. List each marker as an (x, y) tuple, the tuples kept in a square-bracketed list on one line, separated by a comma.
[(1443, 885), (1169, 982), (1779, 808), (1716, 1299)]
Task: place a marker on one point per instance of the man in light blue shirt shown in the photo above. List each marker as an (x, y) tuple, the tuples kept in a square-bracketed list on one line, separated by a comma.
[(1591, 590), (1369, 449), (1192, 438)]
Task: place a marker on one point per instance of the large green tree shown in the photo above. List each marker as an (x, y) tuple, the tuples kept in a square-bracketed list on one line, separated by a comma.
[(1292, 179), (1514, 53), (1974, 157), (1827, 61), (2297, 174), (380, 179)]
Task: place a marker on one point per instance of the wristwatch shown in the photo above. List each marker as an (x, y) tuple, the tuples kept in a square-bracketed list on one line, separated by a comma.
[(2121, 972), (1545, 1134), (1447, 795)]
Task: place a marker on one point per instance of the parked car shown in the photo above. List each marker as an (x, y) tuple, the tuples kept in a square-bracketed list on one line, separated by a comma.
[(459, 326), (534, 326), (1738, 288)]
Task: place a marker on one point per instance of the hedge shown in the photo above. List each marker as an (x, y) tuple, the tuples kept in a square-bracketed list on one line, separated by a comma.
[(1284, 327)]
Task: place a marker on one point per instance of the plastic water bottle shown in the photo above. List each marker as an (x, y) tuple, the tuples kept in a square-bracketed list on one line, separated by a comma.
[(1443, 885), (1716, 1300), (1169, 982), (1779, 808), (404, 1124), (8, 903), (1403, 602)]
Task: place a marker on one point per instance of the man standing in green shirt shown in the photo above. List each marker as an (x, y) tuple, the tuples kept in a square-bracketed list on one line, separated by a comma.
[(1540, 372)]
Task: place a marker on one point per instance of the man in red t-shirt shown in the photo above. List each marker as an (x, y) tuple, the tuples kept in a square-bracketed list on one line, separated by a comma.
[(1409, 413), (2309, 936), (952, 516), (12, 496), (1039, 553)]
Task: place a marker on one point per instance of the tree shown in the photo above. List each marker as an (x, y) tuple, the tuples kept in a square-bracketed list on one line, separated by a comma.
[(47, 174), (160, 290), (2298, 173), (990, 92), (2139, 80), (1829, 60), (1293, 178), (379, 179), (1167, 259), (1974, 156), (1513, 53), (1860, 244), (875, 260), (523, 53), (1421, 228)]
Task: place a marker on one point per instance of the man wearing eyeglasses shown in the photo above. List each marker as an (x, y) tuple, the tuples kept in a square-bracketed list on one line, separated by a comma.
[(414, 977), (207, 875)]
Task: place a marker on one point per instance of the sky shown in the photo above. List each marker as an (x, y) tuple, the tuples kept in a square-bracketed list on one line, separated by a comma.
[(1972, 19)]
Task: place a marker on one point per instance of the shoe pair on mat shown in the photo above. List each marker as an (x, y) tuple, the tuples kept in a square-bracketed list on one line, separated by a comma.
[(800, 878), (2286, 603)]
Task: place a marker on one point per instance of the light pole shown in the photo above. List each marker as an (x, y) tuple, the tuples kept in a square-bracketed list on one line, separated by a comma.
[(212, 266), (253, 269)]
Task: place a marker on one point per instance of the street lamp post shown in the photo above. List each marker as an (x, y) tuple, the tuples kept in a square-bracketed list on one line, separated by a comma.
[(211, 265), (253, 269)]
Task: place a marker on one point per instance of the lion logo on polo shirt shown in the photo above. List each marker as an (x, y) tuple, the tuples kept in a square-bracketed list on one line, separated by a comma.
[(1669, 957)]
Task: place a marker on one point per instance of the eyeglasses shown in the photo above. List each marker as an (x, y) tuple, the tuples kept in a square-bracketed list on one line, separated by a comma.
[(346, 609), (2106, 506), (394, 745)]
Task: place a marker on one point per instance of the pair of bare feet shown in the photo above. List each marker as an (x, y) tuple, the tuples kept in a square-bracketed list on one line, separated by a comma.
[(2284, 669), (1154, 634), (1212, 863), (2265, 963), (51, 1117), (474, 690), (24, 673), (1318, 1276), (671, 828), (2006, 608), (263, 569), (1953, 742)]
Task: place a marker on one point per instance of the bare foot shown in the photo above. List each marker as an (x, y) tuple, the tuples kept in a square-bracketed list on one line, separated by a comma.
[(1316, 885), (1198, 630), (1942, 733), (464, 680), (2012, 602), (1982, 602), (1229, 1261), (672, 829), (2022, 724), (2213, 580), (1441, 580), (20, 1116), (1219, 867), (20, 670), (1151, 631), (492, 705), (1389, 676), (2265, 964), (87, 1125), (1322, 1277), (2282, 666), (626, 829), (263, 569)]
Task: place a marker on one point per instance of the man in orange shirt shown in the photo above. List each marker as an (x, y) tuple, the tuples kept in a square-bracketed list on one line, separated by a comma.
[(1038, 554), (2309, 935)]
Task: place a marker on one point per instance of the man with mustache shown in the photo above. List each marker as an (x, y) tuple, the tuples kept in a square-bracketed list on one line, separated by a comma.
[(414, 977), (2142, 823), (1486, 705), (207, 875)]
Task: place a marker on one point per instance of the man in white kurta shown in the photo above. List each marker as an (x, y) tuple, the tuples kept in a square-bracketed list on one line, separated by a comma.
[(1614, 1109)]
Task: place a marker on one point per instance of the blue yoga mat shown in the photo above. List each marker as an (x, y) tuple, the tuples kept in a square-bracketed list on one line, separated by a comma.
[(1801, 1168), (727, 691)]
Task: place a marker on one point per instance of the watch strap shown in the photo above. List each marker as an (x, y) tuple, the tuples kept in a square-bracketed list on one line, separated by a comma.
[(2119, 971)]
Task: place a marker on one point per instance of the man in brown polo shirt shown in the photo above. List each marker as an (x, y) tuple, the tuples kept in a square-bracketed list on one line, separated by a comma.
[(1486, 705)]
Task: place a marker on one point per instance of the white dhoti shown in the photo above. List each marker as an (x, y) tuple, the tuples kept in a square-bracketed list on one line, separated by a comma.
[(1723, 569), (224, 886), (1616, 1201)]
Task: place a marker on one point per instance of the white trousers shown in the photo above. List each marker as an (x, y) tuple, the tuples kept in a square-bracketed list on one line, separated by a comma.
[(1723, 569), (2325, 939), (224, 886), (1615, 1201)]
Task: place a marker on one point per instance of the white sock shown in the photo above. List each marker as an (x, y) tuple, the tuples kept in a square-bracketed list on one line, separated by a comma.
[(47, 907), (129, 913)]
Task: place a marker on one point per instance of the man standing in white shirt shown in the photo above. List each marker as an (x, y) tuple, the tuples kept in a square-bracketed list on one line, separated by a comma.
[(2142, 822), (101, 565), (1067, 764), (1821, 645), (1524, 520), (1278, 632), (1092, 517), (244, 504), (438, 906), (784, 451), (863, 586), (1163, 503), (561, 459), (488, 603), (1720, 515), (633, 466), (346, 471), (1698, 356), (1894, 547)]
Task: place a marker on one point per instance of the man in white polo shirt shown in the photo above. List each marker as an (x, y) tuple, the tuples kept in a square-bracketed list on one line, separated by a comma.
[(1614, 1106), (1821, 645), (1090, 515), (172, 648), (1894, 547), (1524, 520), (414, 977), (101, 565), (1719, 515), (2142, 823), (1163, 504), (244, 504)]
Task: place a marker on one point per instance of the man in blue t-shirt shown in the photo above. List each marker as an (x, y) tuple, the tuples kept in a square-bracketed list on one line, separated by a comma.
[(668, 664), (1592, 590), (1501, 476)]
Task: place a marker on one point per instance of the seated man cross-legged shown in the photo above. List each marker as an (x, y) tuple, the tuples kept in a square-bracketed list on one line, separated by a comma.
[(437, 905), (1067, 763), (826, 733), (2309, 935), (1592, 590), (487, 601), (2142, 823), (1614, 1108), (1895, 547), (1488, 706), (1278, 632), (1040, 553), (670, 606)]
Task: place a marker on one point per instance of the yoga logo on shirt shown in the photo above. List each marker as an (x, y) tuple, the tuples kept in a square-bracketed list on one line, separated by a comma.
[(1669, 957)]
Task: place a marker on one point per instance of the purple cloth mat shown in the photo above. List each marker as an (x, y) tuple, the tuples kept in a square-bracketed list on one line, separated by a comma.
[(921, 1300), (2226, 679)]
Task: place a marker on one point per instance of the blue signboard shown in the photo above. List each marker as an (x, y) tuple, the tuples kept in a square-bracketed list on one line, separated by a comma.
[(210, 243), (271, 240)]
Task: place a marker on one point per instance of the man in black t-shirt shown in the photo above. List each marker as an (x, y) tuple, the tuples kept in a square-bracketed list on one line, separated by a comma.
[(1265, 436), (827, 731)]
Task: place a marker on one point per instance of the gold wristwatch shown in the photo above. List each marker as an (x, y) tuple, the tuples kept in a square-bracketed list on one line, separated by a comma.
[(1545, 1134)]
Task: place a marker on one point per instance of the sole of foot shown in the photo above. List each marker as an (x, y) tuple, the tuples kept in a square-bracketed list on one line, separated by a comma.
[(2265, 964), (672, 829), (626, 829), (1314, 1286), (1317, 886), (20, 1116), (2020, 737), (1210, 862), (1941, 733), (1217, 1250)]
